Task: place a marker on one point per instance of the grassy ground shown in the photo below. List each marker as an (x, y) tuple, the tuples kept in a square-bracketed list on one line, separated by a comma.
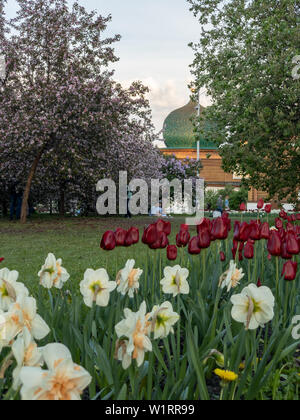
[(75, 240)]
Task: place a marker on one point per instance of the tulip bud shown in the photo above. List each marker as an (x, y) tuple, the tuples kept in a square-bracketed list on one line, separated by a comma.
[(194, 248), (1, 260), (260, 204), (245, 231), (243, 207), (182, 238), (292, 245), (204, 238), (274, 244), (205, 225), (249, 251), (222, 256), (164, 241), (284, 253), (167, 228), (278, 223), (120, 235), (108, 242), (268, 208), (259, 284), (135, 234), (160, 225), (150, 235), (219, 229), (265, 231), (289, 270), (283, 214), (254, 231), (172, 252)]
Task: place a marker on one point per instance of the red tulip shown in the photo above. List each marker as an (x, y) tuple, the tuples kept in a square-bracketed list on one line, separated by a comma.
[(160, 225), (204, 238), (292, 245), (164, 241), (205, 224), (194, 248), (298, 216), (182, 238), (135, 234), (184, 227), (259, 284), (236, 231), (172, 252), (108, 242), (283, 214), (219, 229), (243, 207), (260, 204), (278, 223), (150, 235), (167, 228), (265, 231), (120, 235), (284, 253), (254, 231), (245, 231), (290, 270), (222, 256), (249, 251), (129, 239), (1, 259), (274, 244), (269, 257), (268, 208)]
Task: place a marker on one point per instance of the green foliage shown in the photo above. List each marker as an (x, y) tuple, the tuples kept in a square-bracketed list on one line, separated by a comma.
[(236, 197), (246, 60)]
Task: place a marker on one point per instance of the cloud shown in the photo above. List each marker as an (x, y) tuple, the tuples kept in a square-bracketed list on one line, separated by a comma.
[(166, 96)]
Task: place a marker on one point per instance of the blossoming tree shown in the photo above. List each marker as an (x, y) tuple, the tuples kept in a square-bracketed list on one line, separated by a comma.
[(63, 119)]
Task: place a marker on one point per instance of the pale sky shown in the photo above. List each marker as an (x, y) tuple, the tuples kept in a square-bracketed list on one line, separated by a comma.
[(153, 49)]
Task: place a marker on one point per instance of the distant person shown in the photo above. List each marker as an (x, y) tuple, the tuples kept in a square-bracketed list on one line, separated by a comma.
[(220, 205), (227, 205), (157, 211)]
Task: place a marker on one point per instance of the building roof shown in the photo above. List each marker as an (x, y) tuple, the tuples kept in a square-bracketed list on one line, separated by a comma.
[(179, 129)]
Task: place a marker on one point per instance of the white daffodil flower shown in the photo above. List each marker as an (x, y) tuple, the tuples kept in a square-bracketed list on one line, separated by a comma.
[(122, 354), (23, 314), (254, 307), (134, 333), (175, 281), (232, 277), (163, 318), (96, 287), (10, 289), (128, 279), (26, 353), (63, 381), (52, 274)]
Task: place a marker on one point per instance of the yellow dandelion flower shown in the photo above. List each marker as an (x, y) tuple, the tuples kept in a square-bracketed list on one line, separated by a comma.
[(226, 375)]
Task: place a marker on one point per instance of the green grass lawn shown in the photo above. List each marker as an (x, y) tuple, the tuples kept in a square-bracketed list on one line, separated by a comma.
[(75, 240)]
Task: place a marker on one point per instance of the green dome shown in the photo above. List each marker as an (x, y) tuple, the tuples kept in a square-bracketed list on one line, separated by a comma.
[(179, 129)]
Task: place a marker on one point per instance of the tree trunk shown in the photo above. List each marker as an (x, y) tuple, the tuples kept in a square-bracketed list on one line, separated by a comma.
[(28, 186)]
